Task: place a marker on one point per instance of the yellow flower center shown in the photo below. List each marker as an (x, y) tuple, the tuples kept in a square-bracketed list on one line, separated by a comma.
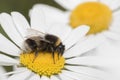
[(97, 15), (43, 63)]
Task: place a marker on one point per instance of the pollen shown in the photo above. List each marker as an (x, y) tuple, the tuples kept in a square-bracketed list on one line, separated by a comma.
[(43, 63), (94, 14)]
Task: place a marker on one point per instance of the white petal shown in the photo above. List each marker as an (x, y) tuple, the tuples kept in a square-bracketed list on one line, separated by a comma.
[(67, 17), (78, 76), (5, 60), (91, 61), (20, 76), (35, 77), (71, 4), (20, 22), (2, 71), (84, 46), (9, 27), (111, 4), (37, 19), (112, 35), (16, 68), (87, 71), (73, 75), (109, 48), (115, 26), (75, 36), (44, 78), (54, 78), (8, 47), (62, 31), (14, 72), (64, 77), (52, 14)]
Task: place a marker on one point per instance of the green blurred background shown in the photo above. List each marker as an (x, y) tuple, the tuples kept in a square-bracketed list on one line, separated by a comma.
[(23, 7)]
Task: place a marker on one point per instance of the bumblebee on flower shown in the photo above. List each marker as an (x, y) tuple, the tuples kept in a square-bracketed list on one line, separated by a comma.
[(40, 64)]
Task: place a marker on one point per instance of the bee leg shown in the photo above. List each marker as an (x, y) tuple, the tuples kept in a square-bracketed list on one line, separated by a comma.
[(53, 57), (53, 54), (36, 54), (59, 54)]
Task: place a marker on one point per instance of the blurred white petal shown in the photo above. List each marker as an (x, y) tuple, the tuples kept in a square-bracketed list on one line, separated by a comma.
[(68, 4), (112, 4), (115, 26), (112, 35), (109, 49), (71, 4), (52, 14)]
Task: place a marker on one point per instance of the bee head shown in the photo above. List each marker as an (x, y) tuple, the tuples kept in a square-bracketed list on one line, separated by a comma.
[(60, 49)]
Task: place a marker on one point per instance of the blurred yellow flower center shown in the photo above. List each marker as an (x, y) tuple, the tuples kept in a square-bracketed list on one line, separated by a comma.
[(97, 15), (43, 63)]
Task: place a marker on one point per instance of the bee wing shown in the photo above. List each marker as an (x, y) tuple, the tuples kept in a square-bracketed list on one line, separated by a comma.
[(33, 32)]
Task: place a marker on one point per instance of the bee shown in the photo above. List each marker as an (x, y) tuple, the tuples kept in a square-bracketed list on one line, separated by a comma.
[(43, 42)]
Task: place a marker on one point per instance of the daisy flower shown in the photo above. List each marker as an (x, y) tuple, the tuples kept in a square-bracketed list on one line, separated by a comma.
[(71, 65), (101, 15)]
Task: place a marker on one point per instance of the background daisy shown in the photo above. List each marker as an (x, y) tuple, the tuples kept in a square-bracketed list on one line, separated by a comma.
[(73, 61), (101, 15), (109, 27)]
